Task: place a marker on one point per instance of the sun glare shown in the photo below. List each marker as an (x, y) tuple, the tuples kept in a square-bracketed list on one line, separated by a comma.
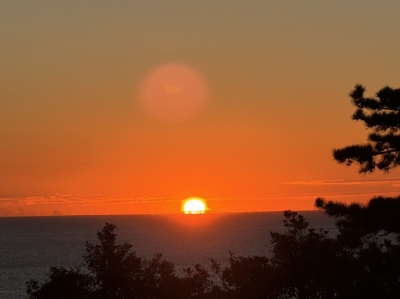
[(194, 206)]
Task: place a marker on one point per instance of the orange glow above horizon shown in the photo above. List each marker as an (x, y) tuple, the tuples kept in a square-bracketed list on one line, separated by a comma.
[(132, 108)]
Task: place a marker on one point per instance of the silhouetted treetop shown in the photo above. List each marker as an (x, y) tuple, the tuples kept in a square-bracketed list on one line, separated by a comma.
[(381, 114), (357, 220)]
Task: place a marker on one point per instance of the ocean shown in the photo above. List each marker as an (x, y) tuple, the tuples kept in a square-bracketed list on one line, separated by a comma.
[(29, 246)]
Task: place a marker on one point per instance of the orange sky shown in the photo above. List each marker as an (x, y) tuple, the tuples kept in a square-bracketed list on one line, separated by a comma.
[(77, 138)]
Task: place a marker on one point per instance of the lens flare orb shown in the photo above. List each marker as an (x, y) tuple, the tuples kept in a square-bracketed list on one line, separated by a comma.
[(173, 92)]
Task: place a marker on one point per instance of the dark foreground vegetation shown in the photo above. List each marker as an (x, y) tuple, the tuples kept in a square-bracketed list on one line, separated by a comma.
[(303, 263), (362, 261)]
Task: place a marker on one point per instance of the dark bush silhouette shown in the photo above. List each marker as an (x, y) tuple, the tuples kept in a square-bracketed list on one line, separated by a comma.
[(62, 283)]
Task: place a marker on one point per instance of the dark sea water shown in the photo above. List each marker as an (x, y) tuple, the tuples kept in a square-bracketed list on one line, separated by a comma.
[(29, 246)]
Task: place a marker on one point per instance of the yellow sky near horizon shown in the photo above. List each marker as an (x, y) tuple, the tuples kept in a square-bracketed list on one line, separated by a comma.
[(76, 140)]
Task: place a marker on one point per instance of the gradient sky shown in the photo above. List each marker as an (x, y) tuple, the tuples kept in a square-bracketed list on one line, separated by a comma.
[(76, 140)]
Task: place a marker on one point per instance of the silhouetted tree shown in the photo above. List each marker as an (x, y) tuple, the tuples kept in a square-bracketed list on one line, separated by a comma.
[(382, 116), (306, 259), (110, 270), (115, 269), (367, 232), (246, 277), (307, 263), (379, 215)]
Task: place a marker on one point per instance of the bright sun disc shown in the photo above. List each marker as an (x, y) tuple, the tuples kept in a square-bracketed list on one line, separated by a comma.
[(194, 206)]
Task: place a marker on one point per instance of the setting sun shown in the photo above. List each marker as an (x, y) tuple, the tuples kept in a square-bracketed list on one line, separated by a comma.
[(194, 206)]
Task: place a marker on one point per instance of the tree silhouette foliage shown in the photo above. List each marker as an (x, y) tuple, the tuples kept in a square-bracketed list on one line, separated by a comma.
[(381, 115), (303, 263), (110, 270), (371, 232)]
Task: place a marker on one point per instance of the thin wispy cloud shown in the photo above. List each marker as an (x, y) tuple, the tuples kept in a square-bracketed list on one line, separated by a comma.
[(76, 199), (391, 181)]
